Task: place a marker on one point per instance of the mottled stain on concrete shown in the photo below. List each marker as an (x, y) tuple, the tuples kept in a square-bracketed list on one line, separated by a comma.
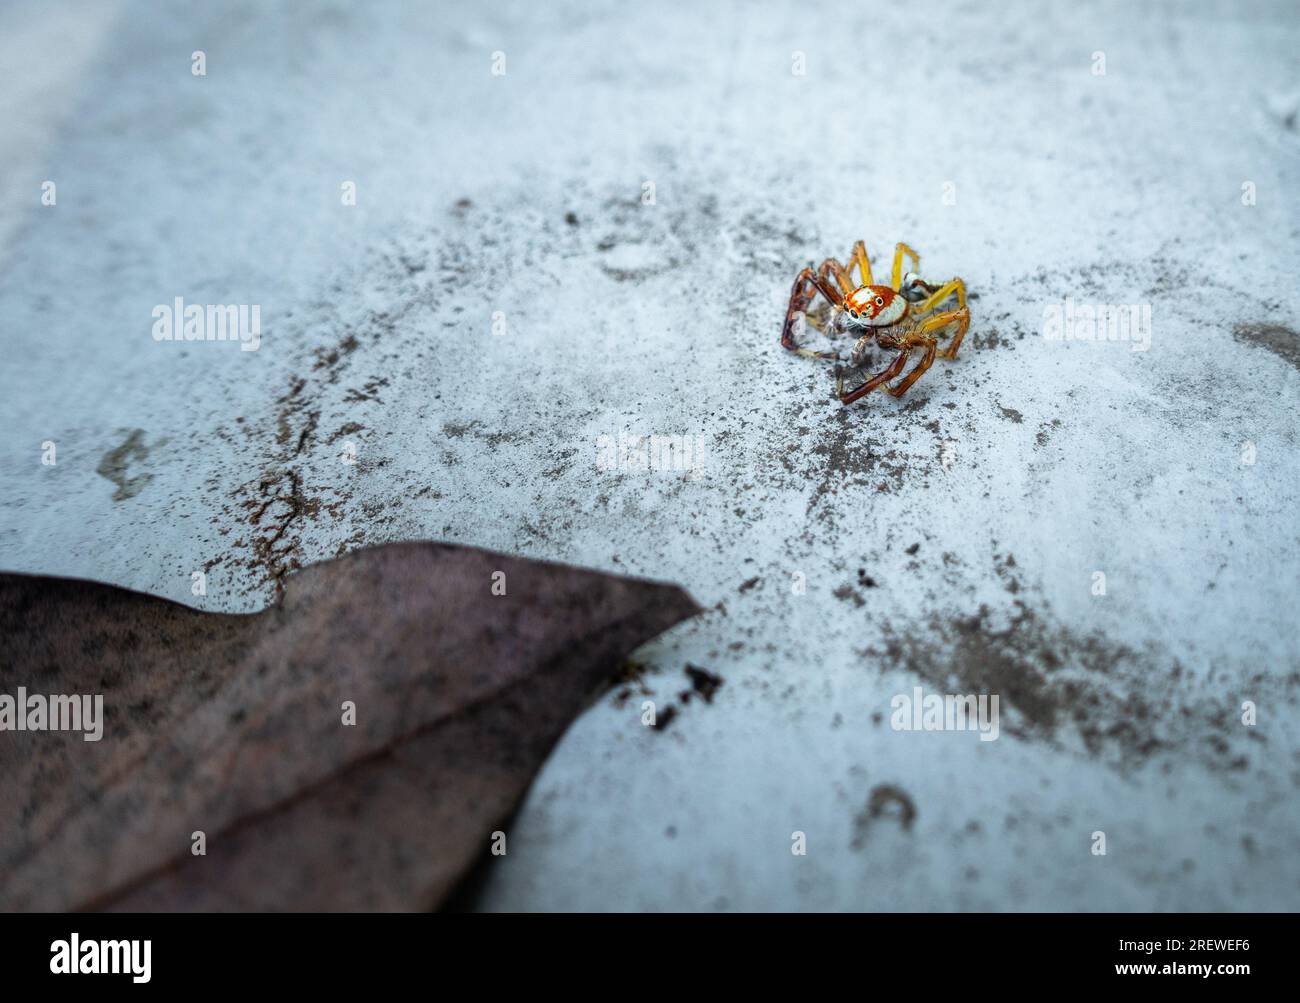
[(1281, 341), (117, 462)]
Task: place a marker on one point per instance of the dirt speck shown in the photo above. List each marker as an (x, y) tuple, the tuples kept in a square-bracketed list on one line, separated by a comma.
[(664, 718), (887, 801), (703, 683), (847, 593), (458, 429), (350, 428)]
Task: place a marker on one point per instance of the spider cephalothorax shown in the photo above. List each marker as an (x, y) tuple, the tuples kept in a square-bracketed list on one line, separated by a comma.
[(902, 315)]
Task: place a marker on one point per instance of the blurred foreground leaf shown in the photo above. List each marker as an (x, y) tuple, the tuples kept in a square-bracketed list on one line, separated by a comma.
[(233, 725)]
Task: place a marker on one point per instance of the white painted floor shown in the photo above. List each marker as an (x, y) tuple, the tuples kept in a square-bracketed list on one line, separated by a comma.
[(987, 140)]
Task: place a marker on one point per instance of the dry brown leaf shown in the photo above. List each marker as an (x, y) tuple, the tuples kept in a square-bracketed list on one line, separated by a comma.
[(232, 725)]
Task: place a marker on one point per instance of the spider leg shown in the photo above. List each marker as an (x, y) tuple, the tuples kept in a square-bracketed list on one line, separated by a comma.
[(859, 257), (819, 318), (843, 276), (941, 320), (884, 376), (839, 272), (807, 285), (844, 273), (899, 251), (936, 298), (916, 339)]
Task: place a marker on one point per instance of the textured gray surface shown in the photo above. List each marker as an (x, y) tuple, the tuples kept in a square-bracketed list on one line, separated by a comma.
[(522, 194)]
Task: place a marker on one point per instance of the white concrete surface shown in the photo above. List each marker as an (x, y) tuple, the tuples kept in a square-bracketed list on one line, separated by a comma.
[(1120, 713)]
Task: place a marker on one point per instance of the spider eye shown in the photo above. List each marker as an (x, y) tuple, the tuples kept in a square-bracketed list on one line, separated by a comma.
[(880, 301), (853, 313)]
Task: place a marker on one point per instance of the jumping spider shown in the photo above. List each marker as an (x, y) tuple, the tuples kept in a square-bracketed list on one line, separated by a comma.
[(897, 316)]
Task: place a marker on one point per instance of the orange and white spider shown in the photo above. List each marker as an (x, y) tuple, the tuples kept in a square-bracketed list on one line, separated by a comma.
[(901, 315)]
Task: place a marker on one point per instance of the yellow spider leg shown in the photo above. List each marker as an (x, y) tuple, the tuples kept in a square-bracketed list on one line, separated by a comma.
[(859, 255), (899, 251), (933, 323), (942, 293)]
